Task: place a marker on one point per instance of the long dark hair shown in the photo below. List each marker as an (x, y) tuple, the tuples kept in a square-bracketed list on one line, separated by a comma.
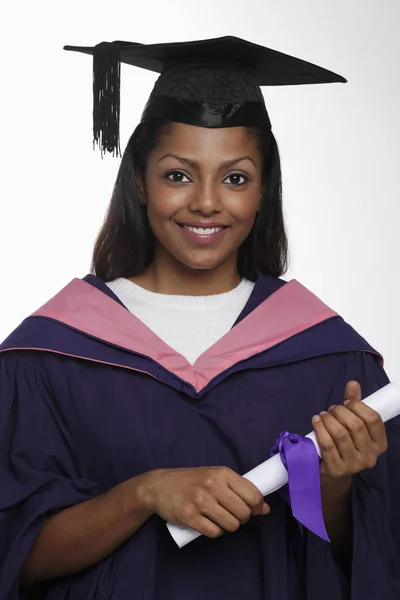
[(125, 244)]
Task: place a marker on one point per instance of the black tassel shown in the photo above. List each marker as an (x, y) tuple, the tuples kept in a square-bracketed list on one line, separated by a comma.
[(106, 97)]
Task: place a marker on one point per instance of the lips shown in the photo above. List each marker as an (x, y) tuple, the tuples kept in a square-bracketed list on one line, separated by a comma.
[(204, 233), (203, 225), (203, 230)]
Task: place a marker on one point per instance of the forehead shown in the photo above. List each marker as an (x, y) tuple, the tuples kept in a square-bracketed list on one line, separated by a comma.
[(196, 140)]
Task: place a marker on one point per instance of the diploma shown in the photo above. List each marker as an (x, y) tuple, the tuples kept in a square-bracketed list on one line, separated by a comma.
[(271, 475)]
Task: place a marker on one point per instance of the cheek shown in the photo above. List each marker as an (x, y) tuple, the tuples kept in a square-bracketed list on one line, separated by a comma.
[(163, 201), (244, 208)]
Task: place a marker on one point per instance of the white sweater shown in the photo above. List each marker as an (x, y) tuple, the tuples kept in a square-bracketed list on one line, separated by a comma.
[(188, 324)]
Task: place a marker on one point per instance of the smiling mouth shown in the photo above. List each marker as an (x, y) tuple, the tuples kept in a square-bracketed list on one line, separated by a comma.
[(203, 230)]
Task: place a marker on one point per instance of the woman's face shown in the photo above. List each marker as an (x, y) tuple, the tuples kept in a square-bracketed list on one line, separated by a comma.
[(203, 190)]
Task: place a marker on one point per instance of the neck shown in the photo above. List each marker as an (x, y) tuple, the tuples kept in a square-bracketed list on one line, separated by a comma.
[(162, 278)]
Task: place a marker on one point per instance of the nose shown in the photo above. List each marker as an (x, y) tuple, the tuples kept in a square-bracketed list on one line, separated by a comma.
[(205, 198)]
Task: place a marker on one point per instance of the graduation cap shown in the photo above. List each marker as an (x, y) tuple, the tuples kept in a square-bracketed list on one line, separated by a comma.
[(208, 83)]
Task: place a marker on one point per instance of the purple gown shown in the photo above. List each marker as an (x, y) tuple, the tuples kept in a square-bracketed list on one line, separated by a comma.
[(90, 397)]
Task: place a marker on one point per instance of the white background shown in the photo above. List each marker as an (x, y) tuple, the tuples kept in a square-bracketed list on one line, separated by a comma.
[(339, 143)]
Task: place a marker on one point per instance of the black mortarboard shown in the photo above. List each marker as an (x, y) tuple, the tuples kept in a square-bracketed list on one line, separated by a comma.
[(209, 83)]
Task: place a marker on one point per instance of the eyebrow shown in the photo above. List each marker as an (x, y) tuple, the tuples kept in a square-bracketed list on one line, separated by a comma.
[(194, 165)]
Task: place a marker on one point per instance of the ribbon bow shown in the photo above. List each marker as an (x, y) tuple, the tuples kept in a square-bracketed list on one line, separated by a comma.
[(300, 458)]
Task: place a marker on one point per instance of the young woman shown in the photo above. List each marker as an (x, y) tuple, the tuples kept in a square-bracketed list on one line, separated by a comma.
[(142, 393)]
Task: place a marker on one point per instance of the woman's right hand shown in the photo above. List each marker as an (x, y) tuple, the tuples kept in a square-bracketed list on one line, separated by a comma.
[(210, 500)]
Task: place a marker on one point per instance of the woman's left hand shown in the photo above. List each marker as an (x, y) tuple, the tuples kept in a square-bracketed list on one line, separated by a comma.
[(351, 436)]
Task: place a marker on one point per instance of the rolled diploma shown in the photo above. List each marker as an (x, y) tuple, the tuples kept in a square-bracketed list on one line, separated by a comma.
[(271, 475)]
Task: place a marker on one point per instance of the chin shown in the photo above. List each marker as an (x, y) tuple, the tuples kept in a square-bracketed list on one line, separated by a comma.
[(199, 266), (203, 268)]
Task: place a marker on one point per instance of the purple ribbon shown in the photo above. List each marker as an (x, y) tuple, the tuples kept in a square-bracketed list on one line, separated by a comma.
[(300, 458)]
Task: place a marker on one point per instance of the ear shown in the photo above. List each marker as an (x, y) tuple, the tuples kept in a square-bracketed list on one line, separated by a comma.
[(141, 188)]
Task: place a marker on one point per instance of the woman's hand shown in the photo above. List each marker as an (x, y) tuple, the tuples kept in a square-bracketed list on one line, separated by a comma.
[(210, 500), (351, 437)]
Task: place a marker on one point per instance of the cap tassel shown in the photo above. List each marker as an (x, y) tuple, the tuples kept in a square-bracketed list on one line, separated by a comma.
[(106, 97)]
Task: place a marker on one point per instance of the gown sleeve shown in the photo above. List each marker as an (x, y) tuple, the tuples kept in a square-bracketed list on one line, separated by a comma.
[(375, 494), (38, 472)]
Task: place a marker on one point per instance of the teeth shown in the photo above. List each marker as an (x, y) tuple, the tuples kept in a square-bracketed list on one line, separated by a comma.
[(202, 231)]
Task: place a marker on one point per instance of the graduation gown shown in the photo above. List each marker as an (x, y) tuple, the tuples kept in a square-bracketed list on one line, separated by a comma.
[(90, 397)]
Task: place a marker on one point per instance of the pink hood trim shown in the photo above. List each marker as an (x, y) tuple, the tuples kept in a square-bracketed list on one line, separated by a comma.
[(290, 310)]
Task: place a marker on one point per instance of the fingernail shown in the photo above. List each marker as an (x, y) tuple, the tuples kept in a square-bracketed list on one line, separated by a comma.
[(316, 419), (346, 402), (331, 407), (323, 412)]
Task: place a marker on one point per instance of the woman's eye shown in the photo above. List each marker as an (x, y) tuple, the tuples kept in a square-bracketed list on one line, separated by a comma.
[(179, 177), (176, 176), (235, 179)]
